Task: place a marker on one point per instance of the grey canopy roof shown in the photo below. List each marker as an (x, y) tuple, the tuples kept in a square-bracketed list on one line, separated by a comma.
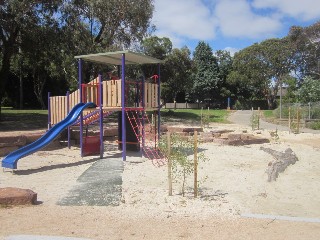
[(115, 58)]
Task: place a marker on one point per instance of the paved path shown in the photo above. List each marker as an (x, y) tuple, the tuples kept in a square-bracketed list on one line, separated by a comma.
[(99, 185), (242, 117)]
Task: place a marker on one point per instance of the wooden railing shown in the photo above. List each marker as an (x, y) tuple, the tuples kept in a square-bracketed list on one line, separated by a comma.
[(59, 105)]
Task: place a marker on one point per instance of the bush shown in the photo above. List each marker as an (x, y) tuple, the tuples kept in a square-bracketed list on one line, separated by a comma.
[(314, 125)]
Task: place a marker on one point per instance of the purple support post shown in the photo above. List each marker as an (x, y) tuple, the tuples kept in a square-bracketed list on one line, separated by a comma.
[(143, 112), (80, 97), (123, 105), (159, 104), (49, 111), (68, 110), (101, 117)]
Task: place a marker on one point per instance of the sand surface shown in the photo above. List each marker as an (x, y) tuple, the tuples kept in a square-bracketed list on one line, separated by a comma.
[(232, 183)]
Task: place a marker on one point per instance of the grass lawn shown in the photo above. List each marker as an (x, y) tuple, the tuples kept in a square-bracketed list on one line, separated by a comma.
[(268, 113), (195, 115), (20, 120)]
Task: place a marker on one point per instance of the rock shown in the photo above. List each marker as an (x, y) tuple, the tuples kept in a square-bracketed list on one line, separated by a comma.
[(244, 139), (30, 138), (13, 141), (184, 129), (242, 142), (4, 151), (110, 132), (216, 135), (17, 196)]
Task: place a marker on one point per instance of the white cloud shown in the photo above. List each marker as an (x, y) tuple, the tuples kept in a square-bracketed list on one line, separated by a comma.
[(184, 18), (214, 20), (232, 50), (305, 10), (236, 19)]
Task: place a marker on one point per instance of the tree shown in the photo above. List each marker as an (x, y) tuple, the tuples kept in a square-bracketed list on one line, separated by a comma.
[(309, 90), (206, 77), (98, 26), (305, 43), (247, 75), (225, 67), (59, 30), (260, 69), (157, 47), (16, 18), (113, 23), (178, 68)]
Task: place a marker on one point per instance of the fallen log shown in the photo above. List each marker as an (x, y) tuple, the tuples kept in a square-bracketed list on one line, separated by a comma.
[(281, 162)]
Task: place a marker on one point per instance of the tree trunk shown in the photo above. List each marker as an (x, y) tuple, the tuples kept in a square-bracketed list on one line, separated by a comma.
[(38, 89), (283, 160), (4, 75)]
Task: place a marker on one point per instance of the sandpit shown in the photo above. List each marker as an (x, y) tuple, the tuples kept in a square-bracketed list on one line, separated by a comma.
[(233, 184)]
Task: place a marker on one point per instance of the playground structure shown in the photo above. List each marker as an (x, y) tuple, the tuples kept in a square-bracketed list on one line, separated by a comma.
[(131, 99)]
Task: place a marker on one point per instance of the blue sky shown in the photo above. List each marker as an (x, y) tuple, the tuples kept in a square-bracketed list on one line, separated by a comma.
[(230, 24)]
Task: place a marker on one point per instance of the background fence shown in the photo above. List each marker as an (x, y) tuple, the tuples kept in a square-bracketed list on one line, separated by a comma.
[(307, 115), (185, 105)]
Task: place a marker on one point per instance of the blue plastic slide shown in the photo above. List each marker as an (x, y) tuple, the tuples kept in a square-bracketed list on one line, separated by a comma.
[(11, 160)]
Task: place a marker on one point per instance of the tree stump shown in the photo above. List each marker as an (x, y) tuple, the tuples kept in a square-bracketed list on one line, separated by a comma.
[(282, 161)]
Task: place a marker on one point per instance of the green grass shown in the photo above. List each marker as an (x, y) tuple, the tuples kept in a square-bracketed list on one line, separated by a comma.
[(8, 110), (268, 113), (20, 120), (194, 115)]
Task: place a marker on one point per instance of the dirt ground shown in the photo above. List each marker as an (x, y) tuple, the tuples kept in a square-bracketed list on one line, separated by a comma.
[(233, 185)]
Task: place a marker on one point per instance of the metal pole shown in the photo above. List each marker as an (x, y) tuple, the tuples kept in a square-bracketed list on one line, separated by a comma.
[(195, 164), (143, 113), (80, 100), (309, 110), (49, 111), (159, 104), (280, 99), (101, 116), (123, 105), (169, 163), (68, 110)]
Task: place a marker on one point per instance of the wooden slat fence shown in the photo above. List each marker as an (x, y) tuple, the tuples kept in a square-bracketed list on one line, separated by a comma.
[(111, 98)]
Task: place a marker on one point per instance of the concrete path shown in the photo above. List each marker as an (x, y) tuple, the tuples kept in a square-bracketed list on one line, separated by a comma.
[(99, 185), (242, 117)]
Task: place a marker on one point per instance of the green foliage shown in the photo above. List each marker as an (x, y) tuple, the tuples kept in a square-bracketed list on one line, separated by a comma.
[(206, 77), (255, 120), (157, 47), (181, 155), (255, 68), (309, 90), (314, 125), (42, 38), (304, 41), (205, 118), (225, 67), (177, 73)]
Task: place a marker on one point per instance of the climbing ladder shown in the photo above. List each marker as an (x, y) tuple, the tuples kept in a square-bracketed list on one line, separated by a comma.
[(147, 135)]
